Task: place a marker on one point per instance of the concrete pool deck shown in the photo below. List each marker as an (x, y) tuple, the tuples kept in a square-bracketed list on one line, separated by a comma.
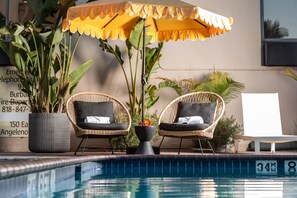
[(15, 164)]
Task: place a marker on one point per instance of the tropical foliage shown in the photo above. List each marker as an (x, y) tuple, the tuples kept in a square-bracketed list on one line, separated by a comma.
[(218, 82), (132, 77), (43, 56), (131, 73), (274, 30)]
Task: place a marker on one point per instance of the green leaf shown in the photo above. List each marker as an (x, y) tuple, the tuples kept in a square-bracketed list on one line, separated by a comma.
[(108, 48), (118, 55), (136, 36), (57, 36), (290, 73), (43, 9), (24, 42), (78, 73), (167, 83), (222, 84), (5, 47), (36, 6), (53, 96), (129, 49), (4, 31), (19, 30), (17, 58), (46, 37), (54, 82), (153, 56), (19, 46)]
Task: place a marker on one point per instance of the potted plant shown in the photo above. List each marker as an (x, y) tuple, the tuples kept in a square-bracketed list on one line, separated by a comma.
[(224, 133), (145, 132), (43, 56)]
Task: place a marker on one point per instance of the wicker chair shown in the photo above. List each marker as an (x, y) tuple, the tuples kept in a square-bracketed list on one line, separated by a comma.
[(120, 113), (169, 116)]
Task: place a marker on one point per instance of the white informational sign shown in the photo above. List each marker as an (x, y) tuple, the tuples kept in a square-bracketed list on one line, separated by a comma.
[(13, 112)]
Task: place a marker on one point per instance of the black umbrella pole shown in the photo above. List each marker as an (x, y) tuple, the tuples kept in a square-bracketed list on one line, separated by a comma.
[(143, 80)]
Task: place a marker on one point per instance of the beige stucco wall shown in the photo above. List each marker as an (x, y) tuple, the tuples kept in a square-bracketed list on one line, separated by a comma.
[(237, 52)]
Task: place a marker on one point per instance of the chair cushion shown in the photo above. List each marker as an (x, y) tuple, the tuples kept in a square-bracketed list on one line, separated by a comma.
[(182, 127), (84, 109), (205, 110), (94, 126)]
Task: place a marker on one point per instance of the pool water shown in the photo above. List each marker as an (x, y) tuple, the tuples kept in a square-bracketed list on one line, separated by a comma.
[(176, 183), (159, 178), (171, 187)]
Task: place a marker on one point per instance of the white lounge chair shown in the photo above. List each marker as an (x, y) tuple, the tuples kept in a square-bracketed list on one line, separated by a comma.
[(262, 121)]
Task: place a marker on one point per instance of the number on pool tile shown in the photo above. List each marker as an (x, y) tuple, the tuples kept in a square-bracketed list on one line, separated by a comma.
[(266, 167), (291, 167)]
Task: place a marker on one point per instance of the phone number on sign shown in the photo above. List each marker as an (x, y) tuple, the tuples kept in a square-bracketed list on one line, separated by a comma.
[(15, 109)]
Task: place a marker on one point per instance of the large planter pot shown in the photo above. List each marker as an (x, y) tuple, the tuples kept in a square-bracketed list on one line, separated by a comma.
[(49, 132), (145, 134)]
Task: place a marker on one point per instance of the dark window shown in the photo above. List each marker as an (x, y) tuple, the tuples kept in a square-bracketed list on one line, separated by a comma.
[(279, 32)]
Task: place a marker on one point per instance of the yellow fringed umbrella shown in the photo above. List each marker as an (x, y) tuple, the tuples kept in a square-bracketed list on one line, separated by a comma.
[(166, 19)]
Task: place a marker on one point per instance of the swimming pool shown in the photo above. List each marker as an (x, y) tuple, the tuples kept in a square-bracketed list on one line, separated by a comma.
[(162, 176)]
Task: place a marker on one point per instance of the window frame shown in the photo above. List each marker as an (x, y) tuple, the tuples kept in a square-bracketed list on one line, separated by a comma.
[(277, 51)]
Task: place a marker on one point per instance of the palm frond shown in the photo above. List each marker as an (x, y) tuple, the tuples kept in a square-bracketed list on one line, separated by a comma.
[(290, 73), (222, 84)]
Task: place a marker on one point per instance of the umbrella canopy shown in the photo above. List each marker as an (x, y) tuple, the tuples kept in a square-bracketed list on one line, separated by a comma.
[(167, 20)]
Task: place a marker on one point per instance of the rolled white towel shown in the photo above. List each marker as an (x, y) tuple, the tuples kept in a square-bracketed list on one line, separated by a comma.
[(190, 120), (97, 120)]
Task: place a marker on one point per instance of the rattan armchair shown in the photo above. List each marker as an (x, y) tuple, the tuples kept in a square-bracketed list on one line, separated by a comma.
[(168, 117), (120, 113)]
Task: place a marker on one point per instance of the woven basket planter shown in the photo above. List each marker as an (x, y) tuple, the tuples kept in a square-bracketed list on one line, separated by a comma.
[(49, 132)]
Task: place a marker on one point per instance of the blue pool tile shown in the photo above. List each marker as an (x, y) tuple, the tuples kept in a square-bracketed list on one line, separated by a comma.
[(173, 163), (244, 167), (205, 167), (166, 170), (152, 163), (281, 166), (136, 163), (229, 167), (252, 167), (221, 167), (190, 166), (166, 163), (213, 163), (143, 163), (181, 167), (236, 166), (108, 164), (157, 163), (121, 164)]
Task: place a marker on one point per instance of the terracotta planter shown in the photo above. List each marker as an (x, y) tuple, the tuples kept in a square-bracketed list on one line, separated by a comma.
[(145, 134), (49, 132)]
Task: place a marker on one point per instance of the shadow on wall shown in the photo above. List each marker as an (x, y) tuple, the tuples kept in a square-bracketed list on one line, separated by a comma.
[(104, 65)]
